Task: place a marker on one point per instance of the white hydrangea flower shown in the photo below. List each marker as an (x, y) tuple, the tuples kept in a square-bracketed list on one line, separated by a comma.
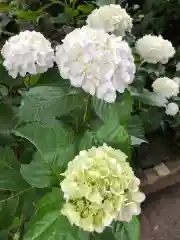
[(99, 184), (110, 18), (177, 80), (29, 52), (132, 205), (154, 49), (136, 6), (96, 61), (172, 109), (166, 87)]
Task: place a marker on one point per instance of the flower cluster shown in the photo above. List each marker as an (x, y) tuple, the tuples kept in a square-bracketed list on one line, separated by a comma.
[(172, 109), (167, 88), (177, 80), (96, 61), (110, 18), (28, 52), (154, 49), (100, 187)]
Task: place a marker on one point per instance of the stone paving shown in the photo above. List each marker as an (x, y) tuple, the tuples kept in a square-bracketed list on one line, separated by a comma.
[(160, 218)]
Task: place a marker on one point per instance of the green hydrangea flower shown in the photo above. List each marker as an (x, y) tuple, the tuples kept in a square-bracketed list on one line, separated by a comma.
[(97, 186)]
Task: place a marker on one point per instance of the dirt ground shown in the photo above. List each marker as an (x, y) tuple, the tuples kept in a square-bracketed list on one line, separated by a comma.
[(160, 218)]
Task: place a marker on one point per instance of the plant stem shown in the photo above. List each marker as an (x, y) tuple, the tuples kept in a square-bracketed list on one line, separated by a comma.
[(21, 229), (86, 111)]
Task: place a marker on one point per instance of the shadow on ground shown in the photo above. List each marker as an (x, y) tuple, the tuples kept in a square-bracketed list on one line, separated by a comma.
[(160, 218)]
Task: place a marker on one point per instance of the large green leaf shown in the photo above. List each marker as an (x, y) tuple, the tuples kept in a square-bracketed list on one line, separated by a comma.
[(52, 77), (86, 141), (127, 231), (7, 118), (119, 111), (107, 234), (7, 212), (152, 118), (54, 141), (149, 98), (48, 223), (43, 103), (10, 177), (114, 135), (136, 130), (7, 79), (4, 234), (38, 173)]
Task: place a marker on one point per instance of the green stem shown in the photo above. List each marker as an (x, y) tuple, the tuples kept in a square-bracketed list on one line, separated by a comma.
[(21, 229), (73, 4), (73, 7), (86, 111)]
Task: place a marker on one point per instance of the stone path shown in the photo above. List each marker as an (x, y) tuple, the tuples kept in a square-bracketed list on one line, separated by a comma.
[(160, 218)]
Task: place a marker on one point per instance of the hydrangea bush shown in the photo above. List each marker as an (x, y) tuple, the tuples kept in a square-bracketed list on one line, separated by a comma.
[(72, 108)]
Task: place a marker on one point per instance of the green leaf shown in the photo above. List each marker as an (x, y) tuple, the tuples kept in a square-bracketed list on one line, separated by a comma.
[(7, 79), (114, 135), (63, 18), (10, 178), (52, 141), (42, 103), (149, 98), (3, 91), (86, 9), (152, 118), (48, 223), (38, 173), (56, 147), (136, 130), (7, 118), (8, 159), (86, 141), (105, 2), (7, 212), (153, 99), (135, 141), (32, 80), (127, 231), (4, 234), (4, 7), (52, 77), (107, 234), (30, 16), (118, 112)]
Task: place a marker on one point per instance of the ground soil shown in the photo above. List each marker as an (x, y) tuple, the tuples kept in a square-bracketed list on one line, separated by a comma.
[(160, 218)]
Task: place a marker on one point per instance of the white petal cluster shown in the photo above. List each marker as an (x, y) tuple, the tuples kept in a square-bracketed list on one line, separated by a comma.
[(177, 80), (166, 87), (99, 187), (110, 18), (96, 61), (132, 204), (154, 49), (172, 109), (29, 52)]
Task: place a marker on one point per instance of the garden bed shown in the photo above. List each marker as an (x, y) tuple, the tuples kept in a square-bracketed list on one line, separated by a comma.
[(159, 162), (160, 176)]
